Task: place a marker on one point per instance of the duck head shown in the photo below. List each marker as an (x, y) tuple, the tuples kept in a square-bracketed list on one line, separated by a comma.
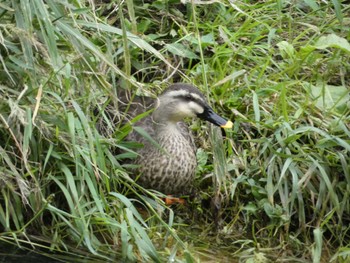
[(180, 101)]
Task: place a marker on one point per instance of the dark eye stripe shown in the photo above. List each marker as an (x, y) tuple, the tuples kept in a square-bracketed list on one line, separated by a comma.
[(187, 97)]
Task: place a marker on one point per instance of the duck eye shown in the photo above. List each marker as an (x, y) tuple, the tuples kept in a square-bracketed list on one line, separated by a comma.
[(188, 97)]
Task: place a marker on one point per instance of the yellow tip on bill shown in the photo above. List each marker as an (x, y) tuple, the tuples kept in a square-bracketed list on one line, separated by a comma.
[(227, 125)]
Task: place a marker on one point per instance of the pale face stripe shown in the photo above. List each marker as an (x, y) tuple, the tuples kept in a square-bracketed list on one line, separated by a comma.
[(195, 107)]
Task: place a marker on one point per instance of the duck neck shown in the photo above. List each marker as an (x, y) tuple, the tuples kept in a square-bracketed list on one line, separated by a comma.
[(166, 127)]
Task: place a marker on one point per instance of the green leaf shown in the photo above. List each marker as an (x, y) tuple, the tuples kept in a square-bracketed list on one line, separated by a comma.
[(180, 50), (313, 4), (256, 107), (337, 8), (287, 50), (328, 97), (332, 40)]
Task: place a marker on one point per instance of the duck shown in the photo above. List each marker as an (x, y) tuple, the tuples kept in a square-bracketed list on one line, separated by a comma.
[(167, 161)]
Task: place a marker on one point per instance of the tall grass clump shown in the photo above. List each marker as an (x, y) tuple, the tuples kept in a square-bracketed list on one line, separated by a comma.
[(287, 73), (61, 187), (278, 69)]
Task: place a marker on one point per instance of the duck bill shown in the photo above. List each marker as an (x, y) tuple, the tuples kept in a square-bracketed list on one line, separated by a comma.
[(214, 118)]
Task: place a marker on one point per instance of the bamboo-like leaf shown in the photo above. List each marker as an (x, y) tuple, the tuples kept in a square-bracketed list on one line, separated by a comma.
[(47, 32), (131, 37), (130, 206), (180, 50), (256, 107), (141, 238), (317, 249), (337, 8)]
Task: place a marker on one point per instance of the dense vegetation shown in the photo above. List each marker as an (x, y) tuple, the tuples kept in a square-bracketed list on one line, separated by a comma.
[(275, 188)]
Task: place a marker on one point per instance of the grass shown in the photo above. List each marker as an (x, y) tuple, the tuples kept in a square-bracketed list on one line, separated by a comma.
[(278, 69)]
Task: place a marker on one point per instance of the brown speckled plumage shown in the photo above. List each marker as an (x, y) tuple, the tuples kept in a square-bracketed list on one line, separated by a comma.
[(170, 169), (170, 165)]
